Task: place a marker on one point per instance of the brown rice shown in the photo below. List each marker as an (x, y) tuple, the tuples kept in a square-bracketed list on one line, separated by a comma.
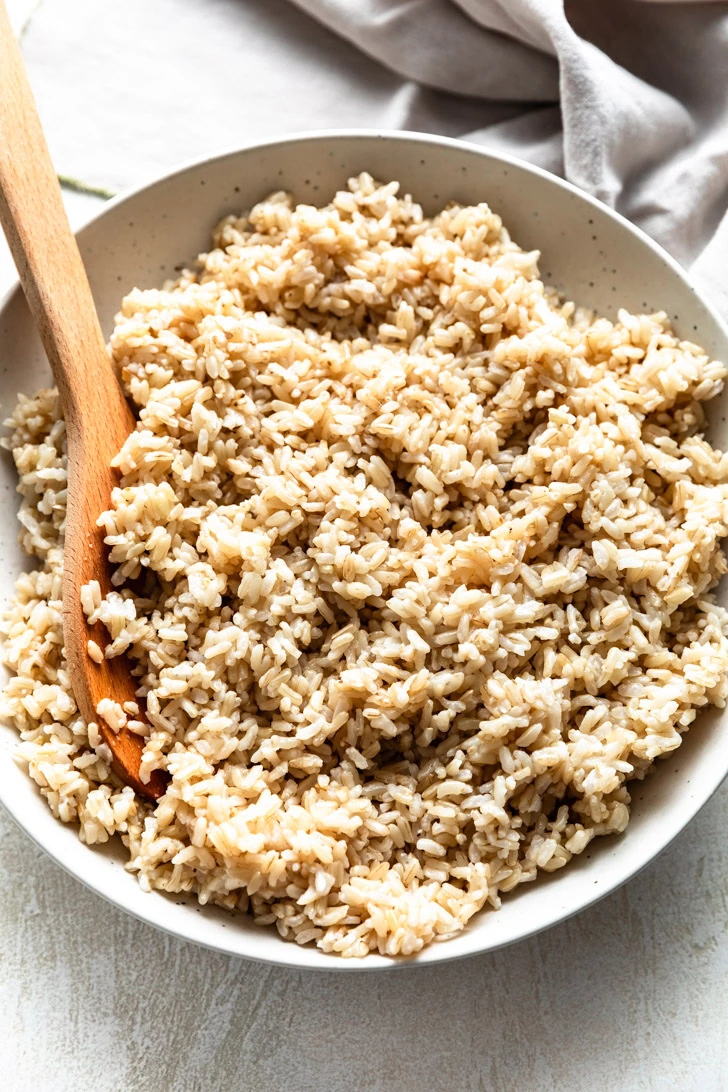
[(427, 558)]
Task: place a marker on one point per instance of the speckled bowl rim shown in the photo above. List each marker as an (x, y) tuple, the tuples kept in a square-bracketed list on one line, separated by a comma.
[(88, 865)]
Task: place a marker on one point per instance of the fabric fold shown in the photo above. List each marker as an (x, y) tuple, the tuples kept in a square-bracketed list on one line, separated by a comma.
[(627, 99)]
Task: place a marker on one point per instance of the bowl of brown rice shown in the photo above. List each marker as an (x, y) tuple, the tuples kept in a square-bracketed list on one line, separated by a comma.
[(417, 545)]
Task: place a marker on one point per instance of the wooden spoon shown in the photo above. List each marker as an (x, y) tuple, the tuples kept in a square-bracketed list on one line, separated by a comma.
[(98, 418)]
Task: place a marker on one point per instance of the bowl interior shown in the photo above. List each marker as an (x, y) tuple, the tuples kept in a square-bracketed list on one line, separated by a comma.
[(588, 253)]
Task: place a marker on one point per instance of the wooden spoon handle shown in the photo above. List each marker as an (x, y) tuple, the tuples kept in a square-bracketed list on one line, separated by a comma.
[(98, 418), (40, 238)]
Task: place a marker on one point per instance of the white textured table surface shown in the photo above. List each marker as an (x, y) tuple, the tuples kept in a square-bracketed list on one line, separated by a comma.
[(631, 995)]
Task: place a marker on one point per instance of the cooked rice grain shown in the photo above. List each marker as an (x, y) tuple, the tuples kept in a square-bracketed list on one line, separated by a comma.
[(427, 558)]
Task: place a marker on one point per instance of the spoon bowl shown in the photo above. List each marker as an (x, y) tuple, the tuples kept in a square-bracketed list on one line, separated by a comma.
[(98, 418)]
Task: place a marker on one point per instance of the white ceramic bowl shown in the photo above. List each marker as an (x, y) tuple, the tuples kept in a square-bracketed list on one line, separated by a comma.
[(589, 253)]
